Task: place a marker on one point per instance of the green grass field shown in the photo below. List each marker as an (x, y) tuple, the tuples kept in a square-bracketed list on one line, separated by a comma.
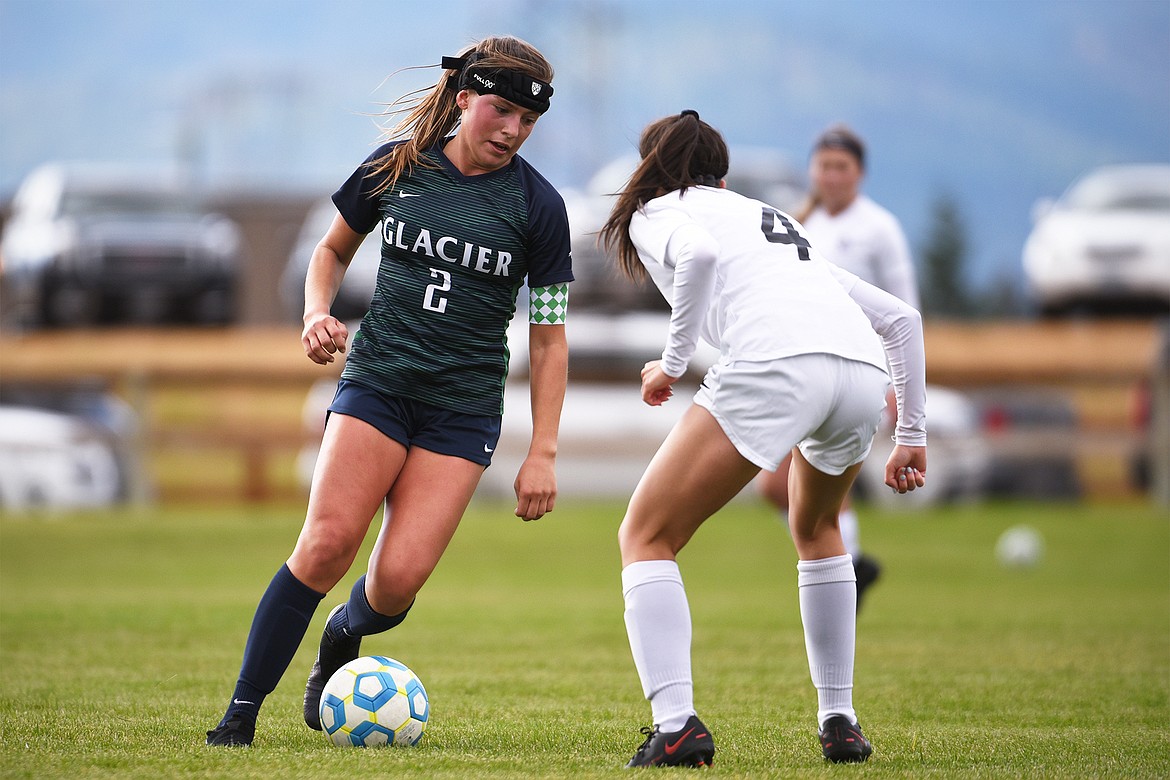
[(121, 635)]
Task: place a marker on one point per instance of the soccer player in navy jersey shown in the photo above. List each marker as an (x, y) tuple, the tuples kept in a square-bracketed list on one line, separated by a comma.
[(465, 223), (807, 352)]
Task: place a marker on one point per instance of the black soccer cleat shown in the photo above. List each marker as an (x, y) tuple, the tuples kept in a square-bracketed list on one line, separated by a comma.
[(332, 654), (238, 731), (843, 743), (868, 571), (689, 746)]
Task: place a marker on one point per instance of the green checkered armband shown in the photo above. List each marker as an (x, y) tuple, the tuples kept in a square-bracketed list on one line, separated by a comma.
[(548, 305)]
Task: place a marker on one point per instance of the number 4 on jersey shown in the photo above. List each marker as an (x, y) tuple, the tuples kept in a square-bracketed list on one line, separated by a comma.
[(788, 236)]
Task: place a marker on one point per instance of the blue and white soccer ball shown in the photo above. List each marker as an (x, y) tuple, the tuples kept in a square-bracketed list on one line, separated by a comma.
[(374, 700)]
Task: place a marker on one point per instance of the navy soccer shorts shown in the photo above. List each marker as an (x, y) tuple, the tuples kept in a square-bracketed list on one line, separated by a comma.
[(413, 423)]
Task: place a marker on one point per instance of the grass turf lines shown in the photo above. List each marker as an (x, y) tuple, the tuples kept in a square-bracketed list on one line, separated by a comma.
[(121, 635)]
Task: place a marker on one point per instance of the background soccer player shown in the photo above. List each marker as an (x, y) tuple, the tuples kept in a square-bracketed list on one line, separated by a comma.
[(465, 222), (800, 365), (856, 234)]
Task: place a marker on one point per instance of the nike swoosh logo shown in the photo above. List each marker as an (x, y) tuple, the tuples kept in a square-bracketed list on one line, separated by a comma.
[(409, 195), (670, 749), (487, 449), (241, 701)]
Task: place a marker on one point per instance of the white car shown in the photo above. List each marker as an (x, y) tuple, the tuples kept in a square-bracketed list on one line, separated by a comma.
[(50, 460), (1104, 247)]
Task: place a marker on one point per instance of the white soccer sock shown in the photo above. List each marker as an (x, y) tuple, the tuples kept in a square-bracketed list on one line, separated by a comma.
[(658, 622), (828, 609), (850, 532)]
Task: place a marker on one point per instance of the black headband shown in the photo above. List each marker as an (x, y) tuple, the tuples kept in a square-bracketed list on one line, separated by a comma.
[(835, 139), (520, 88)]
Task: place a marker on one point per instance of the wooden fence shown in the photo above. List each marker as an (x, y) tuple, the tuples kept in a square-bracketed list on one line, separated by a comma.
[(221, 408)]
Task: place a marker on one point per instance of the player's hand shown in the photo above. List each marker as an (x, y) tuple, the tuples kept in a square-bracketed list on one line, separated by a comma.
[(906, 468), (323, 337), (656, 384), (536, 487)]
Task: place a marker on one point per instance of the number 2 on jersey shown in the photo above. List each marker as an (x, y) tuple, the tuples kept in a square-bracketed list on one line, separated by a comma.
[(432, 301), (788, 236)]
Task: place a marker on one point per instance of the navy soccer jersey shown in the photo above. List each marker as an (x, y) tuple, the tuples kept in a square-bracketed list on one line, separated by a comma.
[(455, 251)]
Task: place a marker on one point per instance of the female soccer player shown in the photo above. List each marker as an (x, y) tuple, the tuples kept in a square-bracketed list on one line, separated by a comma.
[(465, 221), (856, 234), (800, 366)]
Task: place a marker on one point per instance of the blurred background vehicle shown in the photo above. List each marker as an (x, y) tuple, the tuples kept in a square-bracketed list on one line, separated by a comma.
[(91, 243), (1150, 421), (71, 445), (357, 288), (959, 457), (1104, 246), (1031, 434), (52, 460)]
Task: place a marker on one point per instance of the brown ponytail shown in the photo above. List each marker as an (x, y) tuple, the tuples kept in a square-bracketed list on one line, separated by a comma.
[(677, 152), (433, 116)]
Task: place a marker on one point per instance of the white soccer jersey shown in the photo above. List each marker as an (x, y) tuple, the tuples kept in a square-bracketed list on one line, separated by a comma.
[(742, 274), (866, 239)]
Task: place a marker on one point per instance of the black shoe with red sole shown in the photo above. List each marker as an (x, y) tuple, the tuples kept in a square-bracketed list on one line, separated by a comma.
[(689, 746)]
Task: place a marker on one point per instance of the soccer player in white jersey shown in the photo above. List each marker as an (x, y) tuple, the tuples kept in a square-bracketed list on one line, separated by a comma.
[(856, 234), (807, 353)]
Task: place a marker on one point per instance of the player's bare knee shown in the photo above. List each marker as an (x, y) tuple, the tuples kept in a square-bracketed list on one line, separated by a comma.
[(323, 558), (636, 537), (812, 529), (392, 595)]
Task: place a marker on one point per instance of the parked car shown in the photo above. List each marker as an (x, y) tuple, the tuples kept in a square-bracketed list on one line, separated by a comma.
[(357, 288), (1104, 246), (1032, 435), (90, 243), (959, 459), (67, 446), (51, 460)]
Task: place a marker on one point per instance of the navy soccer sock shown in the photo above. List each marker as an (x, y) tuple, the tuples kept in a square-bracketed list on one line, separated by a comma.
[(358, 618), (281, 619)]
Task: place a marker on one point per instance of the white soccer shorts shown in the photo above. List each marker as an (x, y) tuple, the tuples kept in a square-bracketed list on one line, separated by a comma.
[(827, 405)]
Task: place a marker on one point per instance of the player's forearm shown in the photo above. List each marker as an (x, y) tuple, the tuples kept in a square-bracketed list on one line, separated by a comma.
[(548, 376), (322, 281)]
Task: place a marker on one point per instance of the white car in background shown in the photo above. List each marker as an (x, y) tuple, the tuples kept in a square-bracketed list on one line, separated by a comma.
[(51, 460), (1104, 247), (357, 288)]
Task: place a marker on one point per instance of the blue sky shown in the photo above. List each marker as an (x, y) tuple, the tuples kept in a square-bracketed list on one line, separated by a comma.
[(994, 102)]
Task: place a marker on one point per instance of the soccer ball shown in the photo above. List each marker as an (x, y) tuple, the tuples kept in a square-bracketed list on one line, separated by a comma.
[(1019, 547), (374, 700)]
